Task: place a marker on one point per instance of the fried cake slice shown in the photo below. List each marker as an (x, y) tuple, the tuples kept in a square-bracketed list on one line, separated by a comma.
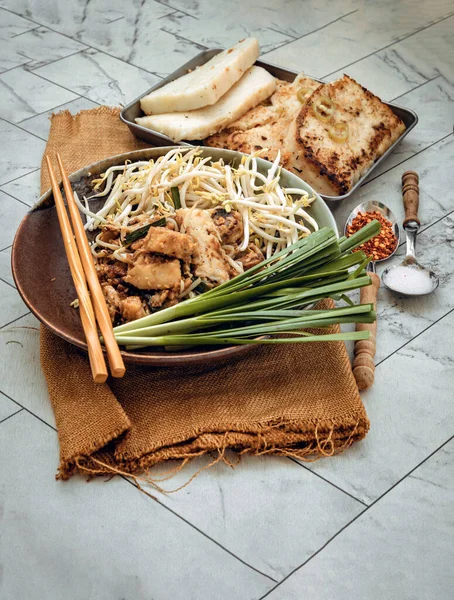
[(265, 127), (332, 167)]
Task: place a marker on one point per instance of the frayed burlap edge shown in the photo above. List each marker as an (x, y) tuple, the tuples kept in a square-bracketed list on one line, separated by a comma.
[(323, 439), (98, 111)]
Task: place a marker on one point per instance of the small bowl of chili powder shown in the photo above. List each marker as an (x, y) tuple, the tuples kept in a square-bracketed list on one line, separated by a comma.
[(384, 244)]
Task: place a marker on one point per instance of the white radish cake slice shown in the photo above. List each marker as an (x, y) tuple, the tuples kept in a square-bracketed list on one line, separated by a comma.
[(255, 85), (206, 84)]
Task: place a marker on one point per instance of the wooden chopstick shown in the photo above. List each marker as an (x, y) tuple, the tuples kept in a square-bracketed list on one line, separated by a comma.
[(116, 363), (95, 354)]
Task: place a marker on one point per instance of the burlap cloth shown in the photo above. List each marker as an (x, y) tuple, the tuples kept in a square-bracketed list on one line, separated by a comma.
[(298, 400)]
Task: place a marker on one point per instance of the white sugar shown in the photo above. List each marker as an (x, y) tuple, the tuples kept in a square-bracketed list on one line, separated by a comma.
[(409, 280)]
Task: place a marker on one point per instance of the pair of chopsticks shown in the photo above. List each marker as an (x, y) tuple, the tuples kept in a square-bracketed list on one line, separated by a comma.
[(92, 307)]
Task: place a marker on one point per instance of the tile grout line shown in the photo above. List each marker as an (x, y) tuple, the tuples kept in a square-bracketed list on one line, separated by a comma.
[(177, 10), (405, 37), (357, 517), (174, 10), (408, 158), (394, 352), (11, 89), (201, 532), (88, 47), (327, 481), (22, 129), (415, 88), (180, 37), (55, 107), (414, 337), (425, 228), (23, 32), (294, 38), (14, 320), (309, 32), (276, 48), (20, 176), (293, 460), (367, 507), (7, 283), (28, 411), (62, 86), (38, 66), (420, 232), (68, 89), (33, 69), (115, 20), (220, 545), (15, 67), (437, 320), (9, 417), (23, 408), (17, 200), (379, 363), (80, 96), (168, 15), (30, 206), (155, 499)]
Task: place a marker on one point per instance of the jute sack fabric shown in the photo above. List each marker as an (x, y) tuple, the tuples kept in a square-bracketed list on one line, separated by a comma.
[(298, 400)]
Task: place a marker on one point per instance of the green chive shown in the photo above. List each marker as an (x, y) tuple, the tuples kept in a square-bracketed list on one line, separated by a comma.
[(176, 197), (141, 232), (274, 297)]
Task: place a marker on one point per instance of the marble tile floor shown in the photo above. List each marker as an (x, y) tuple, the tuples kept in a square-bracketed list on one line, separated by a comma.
[(375, 522)]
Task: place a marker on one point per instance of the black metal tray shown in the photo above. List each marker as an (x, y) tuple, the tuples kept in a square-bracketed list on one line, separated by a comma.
[(133, 110)]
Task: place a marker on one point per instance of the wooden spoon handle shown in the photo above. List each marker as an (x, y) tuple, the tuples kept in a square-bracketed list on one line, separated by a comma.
[(363, 363), (410, 191)]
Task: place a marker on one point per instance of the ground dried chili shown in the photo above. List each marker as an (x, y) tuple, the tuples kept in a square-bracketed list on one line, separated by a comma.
[(380, 246)]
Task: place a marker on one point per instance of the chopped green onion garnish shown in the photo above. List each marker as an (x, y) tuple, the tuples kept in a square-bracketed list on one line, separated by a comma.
[(176, 197), (142, 232)]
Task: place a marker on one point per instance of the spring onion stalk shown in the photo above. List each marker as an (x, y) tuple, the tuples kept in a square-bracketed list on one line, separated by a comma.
[(273, 298), (188, 341), (281, 321)]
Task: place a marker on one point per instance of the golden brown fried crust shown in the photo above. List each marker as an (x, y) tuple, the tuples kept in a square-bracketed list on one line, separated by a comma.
[(132, 308), (152, 272), (281, 124), (264, 128), (160, 240), (343, 164)]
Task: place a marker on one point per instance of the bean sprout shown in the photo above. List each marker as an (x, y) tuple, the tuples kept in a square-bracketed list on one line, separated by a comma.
[(274, 216)]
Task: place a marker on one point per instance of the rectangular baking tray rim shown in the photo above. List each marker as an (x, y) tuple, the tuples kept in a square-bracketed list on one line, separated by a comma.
[(167, 141)]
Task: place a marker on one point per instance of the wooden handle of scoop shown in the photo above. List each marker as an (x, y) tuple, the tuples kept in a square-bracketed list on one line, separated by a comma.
[(363, 363), (410, 191)]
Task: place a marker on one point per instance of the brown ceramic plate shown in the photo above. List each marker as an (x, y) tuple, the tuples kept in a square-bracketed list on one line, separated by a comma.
[(43, 279)]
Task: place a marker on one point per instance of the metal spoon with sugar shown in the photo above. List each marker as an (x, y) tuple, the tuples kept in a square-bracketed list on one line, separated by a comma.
[(410, 278)]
